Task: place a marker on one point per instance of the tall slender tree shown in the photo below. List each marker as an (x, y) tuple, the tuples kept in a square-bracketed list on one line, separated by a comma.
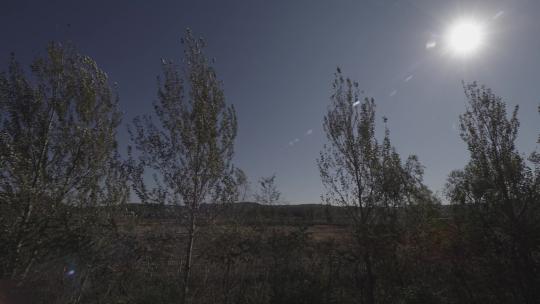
[(190, 148), (58, 156), (366, 177), (499, 193)]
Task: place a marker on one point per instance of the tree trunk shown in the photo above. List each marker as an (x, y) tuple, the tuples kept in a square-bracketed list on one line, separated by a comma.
[(20, 236), (187, 263), (370, 290), (226, 281)]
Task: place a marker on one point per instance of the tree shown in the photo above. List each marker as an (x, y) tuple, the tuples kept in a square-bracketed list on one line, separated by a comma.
[(268, 193), (242, 184), (190, 149), (498, 193), (366, 177), (58, 158)]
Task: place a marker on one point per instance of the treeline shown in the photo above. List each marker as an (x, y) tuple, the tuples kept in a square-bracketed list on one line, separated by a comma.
[(68, 234)]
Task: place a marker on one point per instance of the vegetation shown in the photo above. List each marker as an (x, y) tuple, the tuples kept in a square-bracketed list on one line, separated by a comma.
[(191, 149), (68, 234), (58, 155), (498, 193), (370, 181)]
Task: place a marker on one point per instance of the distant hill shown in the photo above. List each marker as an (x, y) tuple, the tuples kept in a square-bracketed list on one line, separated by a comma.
[(248, 212), (251, 212)]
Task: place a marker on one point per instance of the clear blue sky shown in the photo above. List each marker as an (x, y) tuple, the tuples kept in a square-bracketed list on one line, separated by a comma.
[(277, 59)]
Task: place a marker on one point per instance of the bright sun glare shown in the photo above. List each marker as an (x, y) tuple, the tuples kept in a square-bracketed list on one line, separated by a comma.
[(465, 37)]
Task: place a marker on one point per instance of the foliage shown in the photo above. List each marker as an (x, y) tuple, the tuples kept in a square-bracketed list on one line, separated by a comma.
[(499, 194), (381, 237), (58, 155), (268, 193), (190, 149), (366, 177)]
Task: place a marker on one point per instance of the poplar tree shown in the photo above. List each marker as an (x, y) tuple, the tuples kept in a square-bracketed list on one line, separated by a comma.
[(58, 156), (189, 148), (498, 192), (368, 178)]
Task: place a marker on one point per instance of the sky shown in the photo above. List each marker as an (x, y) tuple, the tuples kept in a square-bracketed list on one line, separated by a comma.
[(277, 60)]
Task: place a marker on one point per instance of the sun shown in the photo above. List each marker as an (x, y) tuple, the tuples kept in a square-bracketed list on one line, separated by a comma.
[(465, 37)]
